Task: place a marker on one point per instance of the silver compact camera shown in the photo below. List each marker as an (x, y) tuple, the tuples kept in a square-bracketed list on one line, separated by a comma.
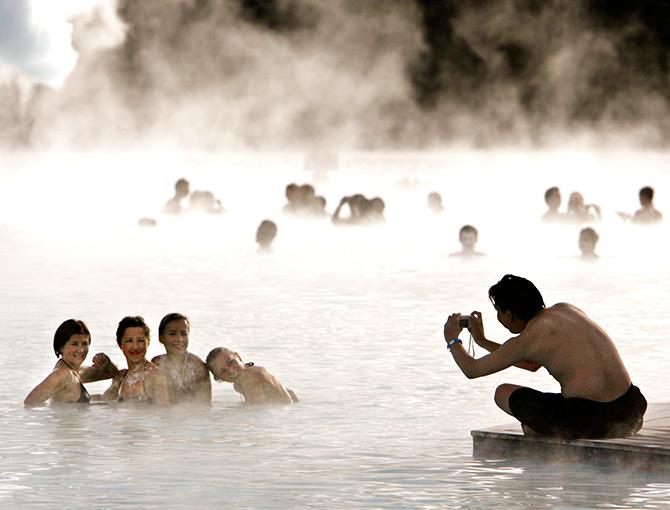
[(464, 321)]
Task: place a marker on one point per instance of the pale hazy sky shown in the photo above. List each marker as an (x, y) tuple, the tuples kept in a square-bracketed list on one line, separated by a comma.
[(35, 37)]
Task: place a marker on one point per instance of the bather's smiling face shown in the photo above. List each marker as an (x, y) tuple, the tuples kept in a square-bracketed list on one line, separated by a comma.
[(134, 344), (226, 367), (175, 336), (75, 350)]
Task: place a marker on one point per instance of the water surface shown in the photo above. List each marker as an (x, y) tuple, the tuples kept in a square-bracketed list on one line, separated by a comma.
[(350, 319)]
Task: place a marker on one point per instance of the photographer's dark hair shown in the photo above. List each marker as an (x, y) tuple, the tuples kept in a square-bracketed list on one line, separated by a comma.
[(168, 319), (66, 330), (131, 322), (517, 295)]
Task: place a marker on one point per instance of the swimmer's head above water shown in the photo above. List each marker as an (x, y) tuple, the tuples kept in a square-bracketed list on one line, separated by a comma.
[(133, 337), (67, 329), (224, 364), (173, 332)]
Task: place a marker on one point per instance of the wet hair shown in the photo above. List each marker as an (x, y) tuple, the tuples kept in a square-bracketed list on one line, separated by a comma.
[(550, 192), (590, 232), (168, 319), (468, 228), (291, 188), (219, 350), (266, 232), (377, 205), (647, 192), (131, 322), (434, 196), (517, 295), (66, 330)]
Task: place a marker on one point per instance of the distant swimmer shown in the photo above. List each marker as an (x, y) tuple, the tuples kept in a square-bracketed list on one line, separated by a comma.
[(468, 237), (552, 198), (357, 205), (265, 234), (187, 374), (255, 384), (147, 222), (647, 213), (303, 200), (588, 238), (362, 211), (292, 203), (579, 212), (597, 398), (143, 382), (205, 202), (435, 202), (173, 206), (375, 210), (65, 384)]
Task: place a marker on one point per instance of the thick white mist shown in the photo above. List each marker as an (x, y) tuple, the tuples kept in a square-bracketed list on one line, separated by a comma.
[(351, 319)]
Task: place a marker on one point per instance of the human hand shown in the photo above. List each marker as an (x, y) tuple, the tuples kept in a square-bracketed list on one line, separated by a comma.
[(476, 327), (101, 360), (452, 328)]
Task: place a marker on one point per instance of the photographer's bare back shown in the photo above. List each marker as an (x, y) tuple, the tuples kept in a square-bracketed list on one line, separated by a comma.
[(597, 398)]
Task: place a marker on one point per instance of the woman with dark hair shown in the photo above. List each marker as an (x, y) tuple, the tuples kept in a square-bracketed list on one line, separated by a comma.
[(143, 382), (188, 377), (66, 382)]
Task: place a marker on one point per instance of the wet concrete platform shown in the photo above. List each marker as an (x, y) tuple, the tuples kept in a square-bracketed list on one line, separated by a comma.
[(648, 449)]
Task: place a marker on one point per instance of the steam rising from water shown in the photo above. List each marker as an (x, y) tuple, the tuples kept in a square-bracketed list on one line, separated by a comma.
[(348, 74)]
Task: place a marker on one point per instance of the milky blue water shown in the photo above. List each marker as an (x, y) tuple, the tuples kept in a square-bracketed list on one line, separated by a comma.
[(350, 319)]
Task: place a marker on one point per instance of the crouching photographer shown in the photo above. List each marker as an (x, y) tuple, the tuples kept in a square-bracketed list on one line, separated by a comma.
[(597, 398)]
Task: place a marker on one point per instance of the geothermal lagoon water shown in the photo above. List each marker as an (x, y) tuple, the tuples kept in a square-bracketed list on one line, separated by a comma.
[(350, 319)]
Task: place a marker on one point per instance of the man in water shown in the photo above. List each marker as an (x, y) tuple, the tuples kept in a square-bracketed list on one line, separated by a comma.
[(265, 234), (181, 190), (597, 398), (588, 238), (552, 197), (254, 383), (468, 237), (647, 213)]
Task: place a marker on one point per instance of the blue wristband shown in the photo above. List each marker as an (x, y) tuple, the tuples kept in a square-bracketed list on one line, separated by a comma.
[(453, 342)]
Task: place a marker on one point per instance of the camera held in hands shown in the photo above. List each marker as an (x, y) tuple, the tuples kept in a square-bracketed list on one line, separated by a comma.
[(464, 321)]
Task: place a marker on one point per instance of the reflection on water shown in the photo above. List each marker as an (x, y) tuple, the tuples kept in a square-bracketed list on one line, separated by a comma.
[(351, 319)]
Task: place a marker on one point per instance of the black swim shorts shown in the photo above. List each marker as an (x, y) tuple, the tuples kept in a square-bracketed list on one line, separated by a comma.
[(551, 414)]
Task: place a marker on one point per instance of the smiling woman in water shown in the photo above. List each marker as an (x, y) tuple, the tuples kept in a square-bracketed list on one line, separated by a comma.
[(143, 382), (66, 382), (188, 377)]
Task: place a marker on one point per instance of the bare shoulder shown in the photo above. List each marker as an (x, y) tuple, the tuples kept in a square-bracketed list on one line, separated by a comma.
[(153, 368), (260, 373), (198, 365), (558, 312), (158, 360), (196, 360), (156, 373), (59, 376)]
